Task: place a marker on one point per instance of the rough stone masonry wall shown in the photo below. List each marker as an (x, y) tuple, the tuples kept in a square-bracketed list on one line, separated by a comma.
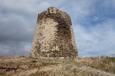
[(54, 35)]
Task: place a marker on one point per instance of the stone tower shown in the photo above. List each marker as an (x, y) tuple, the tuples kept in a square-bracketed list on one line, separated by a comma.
[(54, 35)]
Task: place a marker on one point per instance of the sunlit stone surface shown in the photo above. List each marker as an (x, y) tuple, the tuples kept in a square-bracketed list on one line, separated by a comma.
[(54, 35)]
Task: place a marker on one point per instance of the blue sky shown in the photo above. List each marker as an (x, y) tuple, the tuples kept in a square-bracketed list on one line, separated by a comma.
[(93, 24)]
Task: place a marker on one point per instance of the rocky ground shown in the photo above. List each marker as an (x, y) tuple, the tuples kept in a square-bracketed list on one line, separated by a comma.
[(28, 66)]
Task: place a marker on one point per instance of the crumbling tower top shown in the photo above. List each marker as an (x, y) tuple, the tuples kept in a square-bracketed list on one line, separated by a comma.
[(56, 14)]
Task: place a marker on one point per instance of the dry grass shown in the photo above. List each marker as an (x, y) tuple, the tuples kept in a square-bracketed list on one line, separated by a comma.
[(27, 66), (103, 63)]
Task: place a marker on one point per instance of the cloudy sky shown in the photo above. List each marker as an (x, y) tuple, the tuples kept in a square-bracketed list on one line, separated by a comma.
[(93, 23)]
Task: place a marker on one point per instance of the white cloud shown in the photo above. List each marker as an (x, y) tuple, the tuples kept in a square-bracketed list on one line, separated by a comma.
[(81, 7), (99, 38), (28, 6)]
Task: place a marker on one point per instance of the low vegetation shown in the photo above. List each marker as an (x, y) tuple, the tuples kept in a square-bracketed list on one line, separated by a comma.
[(103, 63), (28, 66)]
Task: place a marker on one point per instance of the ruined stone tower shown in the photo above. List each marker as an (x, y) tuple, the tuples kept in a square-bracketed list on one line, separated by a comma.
[(54, 35)]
